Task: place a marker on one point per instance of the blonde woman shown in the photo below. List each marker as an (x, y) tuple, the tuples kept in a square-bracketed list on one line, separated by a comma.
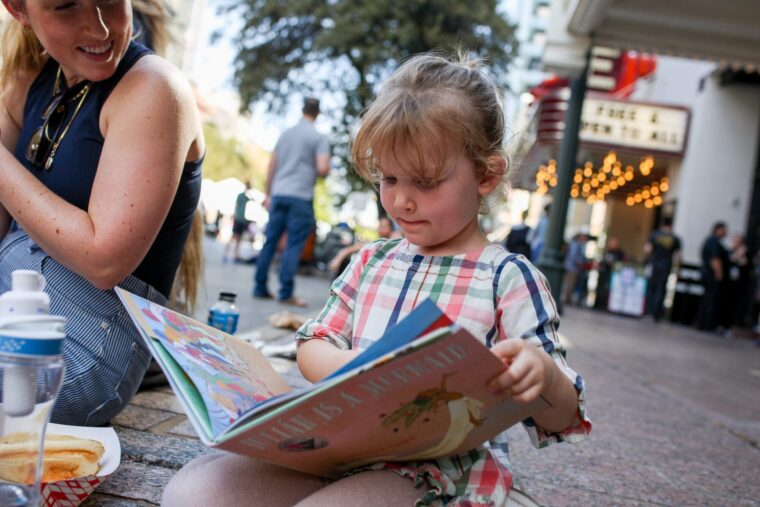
[(100, 156)]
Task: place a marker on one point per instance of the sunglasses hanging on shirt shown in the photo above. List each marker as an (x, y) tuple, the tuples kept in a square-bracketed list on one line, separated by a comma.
[(45, 141)]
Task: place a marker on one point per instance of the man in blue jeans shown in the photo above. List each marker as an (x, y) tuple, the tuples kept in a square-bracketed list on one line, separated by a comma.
[(300, 156)]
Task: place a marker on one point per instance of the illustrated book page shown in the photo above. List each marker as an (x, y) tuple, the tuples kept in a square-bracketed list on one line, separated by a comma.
[(418, 393)]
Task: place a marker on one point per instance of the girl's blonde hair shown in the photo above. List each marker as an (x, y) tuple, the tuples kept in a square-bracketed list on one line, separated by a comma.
[(432, 101)]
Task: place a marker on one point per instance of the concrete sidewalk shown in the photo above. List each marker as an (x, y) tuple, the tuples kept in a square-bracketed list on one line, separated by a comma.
[(676, 413), (676, 416)]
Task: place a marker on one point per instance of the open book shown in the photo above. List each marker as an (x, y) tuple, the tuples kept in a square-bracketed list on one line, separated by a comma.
[(417, 393)]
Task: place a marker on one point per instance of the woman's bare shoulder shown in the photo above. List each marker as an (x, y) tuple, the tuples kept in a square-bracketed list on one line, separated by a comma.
[(164, 96), (156, 74)]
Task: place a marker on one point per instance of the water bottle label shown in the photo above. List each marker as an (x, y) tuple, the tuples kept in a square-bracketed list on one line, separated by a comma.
[(32, 347), (227, 322)]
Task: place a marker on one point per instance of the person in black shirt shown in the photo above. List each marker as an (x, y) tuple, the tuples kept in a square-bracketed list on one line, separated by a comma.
[(715, 265), (517, 239), (663, 249), (612, 254)]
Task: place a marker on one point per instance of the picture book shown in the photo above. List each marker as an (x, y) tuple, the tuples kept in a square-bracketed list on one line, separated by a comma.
[(418, 393)]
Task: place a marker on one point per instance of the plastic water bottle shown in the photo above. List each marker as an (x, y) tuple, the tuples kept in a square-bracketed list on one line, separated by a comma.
[(224, 314), (31, 372)]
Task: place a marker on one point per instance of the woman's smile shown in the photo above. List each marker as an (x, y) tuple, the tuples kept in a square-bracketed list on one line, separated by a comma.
[(100, 52)]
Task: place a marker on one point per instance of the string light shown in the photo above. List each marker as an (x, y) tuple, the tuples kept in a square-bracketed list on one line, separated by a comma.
[(595, 184), (546, 176), (650, 195), (646, 165)]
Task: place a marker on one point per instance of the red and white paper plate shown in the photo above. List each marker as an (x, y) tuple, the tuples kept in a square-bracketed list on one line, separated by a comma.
[(72, 492)]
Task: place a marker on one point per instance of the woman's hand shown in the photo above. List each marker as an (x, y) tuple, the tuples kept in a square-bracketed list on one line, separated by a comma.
[(529, 371)]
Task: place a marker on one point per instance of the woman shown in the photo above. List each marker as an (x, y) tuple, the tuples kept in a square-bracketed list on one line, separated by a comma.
[(100, 155)]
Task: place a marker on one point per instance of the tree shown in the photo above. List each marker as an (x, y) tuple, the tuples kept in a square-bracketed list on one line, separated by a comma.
[(348, 48), (227, 157)]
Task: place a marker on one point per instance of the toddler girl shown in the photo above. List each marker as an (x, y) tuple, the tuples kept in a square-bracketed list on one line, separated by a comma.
[(433, 141)]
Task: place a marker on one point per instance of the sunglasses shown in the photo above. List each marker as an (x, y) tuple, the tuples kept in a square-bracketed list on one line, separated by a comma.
[(43, 144)]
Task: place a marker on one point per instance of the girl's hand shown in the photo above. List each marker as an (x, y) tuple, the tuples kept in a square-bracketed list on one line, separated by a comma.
[(529, 371)]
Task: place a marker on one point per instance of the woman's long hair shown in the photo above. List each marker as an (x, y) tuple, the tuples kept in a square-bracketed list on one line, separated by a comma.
[(152, 18), (185, 290), (21, 51)]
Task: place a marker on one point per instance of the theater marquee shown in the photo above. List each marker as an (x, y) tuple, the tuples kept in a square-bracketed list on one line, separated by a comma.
[(634, 125)]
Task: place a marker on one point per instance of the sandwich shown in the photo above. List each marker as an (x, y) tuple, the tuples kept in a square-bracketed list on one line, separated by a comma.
[(66, 457)]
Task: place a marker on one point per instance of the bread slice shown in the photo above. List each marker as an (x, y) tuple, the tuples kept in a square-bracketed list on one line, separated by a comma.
[(66, 457)]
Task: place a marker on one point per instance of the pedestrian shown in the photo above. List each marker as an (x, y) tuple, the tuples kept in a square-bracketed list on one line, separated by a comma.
[(517, 239), (300, 156), (575, 265), (107, 138), (663, 252), (539, 235), (715, 265), (339, 262), (433, 140), (739, 294), (240, 224), (611, 256)]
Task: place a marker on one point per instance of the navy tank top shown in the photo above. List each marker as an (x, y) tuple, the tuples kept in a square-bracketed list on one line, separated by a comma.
[(72, 173)]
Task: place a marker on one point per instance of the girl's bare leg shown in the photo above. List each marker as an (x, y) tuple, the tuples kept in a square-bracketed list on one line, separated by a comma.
[(229, 480), (374, 488)]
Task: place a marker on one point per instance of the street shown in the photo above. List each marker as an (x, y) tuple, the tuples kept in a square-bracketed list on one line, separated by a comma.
[(676, 412)]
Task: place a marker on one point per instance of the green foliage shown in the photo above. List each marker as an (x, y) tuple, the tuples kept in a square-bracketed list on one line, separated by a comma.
[(225, 157), (323, 203), (347, 48)]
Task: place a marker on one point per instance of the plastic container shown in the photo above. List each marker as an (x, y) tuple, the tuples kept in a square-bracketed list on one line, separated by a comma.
[(31, 372), (224, 314)]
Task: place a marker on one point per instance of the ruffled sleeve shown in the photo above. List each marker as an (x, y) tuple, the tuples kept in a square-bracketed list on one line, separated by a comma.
[(526, 310), (335, 321)]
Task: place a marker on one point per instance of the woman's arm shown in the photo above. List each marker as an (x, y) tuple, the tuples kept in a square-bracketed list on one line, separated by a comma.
[(8, 137), (149, 123), (11, 113)]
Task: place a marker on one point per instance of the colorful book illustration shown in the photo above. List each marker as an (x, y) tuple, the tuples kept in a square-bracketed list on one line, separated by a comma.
[(418, 393)]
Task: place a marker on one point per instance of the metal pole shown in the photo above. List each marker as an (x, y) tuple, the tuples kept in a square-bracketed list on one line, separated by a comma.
[(550, 262)]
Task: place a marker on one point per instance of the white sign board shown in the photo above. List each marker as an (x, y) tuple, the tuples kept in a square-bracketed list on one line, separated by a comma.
[(643, 126), (628, 289)]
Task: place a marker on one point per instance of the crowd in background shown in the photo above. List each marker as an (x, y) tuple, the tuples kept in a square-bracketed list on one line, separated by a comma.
[(729, 276)]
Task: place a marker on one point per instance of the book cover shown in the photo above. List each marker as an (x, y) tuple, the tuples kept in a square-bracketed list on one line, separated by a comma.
[(418, 393)]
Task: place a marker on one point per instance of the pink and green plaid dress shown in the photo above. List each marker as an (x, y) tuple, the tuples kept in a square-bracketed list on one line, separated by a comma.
[(490, 292)]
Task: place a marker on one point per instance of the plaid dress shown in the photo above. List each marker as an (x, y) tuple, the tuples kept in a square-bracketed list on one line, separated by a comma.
[(490, 292)]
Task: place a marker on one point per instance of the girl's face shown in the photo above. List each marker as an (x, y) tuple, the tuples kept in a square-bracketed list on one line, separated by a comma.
[(87, 37), (439, 217)]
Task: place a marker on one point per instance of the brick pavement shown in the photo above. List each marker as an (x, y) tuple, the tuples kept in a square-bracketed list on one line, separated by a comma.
[(676, 417)]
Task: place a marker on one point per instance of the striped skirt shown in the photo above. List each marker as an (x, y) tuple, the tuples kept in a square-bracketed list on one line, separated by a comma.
[(104, 355)]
